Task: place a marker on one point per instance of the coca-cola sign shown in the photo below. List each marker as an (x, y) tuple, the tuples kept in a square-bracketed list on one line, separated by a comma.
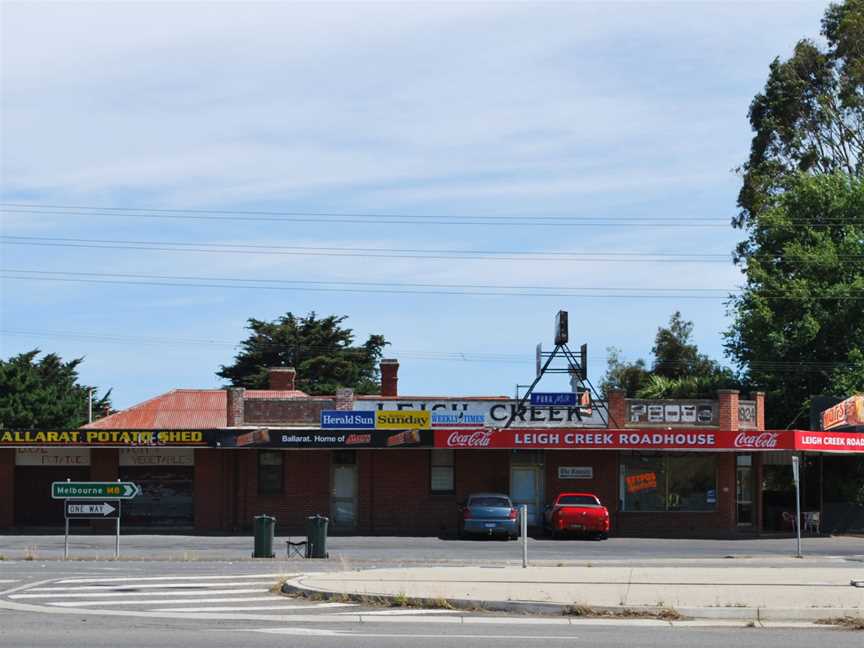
[(760, 440), (472, 439)]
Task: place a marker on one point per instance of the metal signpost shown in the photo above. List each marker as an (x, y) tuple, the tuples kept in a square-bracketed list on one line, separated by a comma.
[(93, 501), (796, 477), (523, 524)]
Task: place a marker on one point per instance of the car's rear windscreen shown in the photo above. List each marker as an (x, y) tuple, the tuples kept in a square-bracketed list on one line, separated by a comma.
[(578, 500), (497, 502)]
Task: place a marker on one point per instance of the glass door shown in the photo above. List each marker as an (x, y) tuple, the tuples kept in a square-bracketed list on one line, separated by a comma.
[(343, 498), (525, 488), (744, 490)]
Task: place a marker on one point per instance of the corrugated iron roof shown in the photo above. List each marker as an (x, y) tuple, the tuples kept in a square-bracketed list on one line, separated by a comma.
[(177, 409)]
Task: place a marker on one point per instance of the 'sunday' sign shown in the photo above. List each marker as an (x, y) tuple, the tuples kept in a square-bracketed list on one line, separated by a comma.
[(474, 413)]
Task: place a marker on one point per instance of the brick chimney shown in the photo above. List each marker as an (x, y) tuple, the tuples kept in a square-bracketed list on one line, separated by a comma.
[(344, 399), (235, 411), (281, 378), (728, 419), (389, 377), (617, 408)]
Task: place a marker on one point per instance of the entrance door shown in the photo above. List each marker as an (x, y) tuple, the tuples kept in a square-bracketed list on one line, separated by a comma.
[(744, 490), (526, 488), (343, 499)]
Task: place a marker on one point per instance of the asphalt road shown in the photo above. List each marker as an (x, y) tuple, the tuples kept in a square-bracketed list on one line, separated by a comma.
[(213, 604), (36, 631), (359, 549)]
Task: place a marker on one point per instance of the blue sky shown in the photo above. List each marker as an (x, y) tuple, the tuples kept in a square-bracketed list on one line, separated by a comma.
[(578, 110)]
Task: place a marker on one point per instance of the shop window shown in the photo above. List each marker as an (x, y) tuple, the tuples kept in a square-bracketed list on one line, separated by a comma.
[(441, 471), (669, 482), (270, 472)]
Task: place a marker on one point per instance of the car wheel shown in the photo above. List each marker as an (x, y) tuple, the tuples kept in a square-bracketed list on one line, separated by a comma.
[(602, 536)]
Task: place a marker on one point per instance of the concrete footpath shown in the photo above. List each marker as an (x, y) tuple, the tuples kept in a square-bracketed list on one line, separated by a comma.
[(745, 590)]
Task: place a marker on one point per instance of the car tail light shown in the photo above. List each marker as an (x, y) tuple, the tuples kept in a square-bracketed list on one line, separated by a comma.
[(466, 514), (513, 514)]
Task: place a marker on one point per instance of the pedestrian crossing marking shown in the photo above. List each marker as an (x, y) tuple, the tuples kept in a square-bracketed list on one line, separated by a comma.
[(113, 594), (118, 587), (172, 578)]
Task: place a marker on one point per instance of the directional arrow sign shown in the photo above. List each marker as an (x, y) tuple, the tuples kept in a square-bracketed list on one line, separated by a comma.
[(89, 510), (94, 490)]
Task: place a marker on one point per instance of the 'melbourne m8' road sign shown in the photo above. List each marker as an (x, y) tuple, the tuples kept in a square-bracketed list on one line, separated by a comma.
[(94, 490)]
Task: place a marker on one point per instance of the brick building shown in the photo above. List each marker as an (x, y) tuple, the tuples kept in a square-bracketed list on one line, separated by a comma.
[(209, 460)]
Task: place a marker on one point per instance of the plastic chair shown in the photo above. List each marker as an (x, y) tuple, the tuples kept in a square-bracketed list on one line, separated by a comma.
[(789, 519), (813, 522), (297, 549)]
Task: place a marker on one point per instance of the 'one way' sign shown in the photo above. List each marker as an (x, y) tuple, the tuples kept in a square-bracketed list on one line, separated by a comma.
[(82, 510)]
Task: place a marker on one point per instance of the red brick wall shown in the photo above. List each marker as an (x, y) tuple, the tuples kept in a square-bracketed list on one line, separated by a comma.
[(104, 466), (260, 410), (212, 487), (728, 406), (7, 487), (617, 405), (604, 484), (306, 489)]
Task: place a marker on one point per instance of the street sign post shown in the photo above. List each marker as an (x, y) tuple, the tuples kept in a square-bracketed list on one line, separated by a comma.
[(796, 479), (94, 490), (93, 501)]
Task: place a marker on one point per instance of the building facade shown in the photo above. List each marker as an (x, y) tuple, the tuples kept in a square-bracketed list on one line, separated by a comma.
[(210, 460)]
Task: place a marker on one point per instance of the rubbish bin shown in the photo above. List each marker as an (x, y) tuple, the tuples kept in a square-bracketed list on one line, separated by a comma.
[(316, 536), (264, 528)]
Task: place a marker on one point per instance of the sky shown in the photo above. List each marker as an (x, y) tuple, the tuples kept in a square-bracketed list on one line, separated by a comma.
[(365, 159)]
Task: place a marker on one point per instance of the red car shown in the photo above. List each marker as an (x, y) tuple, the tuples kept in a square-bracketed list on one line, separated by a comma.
[(580, 513)]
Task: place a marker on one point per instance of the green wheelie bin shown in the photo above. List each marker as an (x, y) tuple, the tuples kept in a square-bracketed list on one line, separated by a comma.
[(316, 536), (264, 528)]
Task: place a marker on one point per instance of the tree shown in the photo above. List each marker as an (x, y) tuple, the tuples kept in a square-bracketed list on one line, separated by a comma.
[(678, 371), (798, 326), (810, 116), (321, 350), (44, 393)]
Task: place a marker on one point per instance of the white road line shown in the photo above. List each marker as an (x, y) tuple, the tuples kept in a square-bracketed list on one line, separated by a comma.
[(312, 632), (242, 608), (171, 578), (120, 587), (250, 590), (409, 612), (238, 599), (9, 580), (233, 599)]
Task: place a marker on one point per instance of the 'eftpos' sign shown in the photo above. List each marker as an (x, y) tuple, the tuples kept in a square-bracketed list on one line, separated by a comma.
[(553, 398), (347, 420)]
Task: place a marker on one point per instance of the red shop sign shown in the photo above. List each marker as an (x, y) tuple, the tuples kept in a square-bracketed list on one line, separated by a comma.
[(602, 439), (824, 442)]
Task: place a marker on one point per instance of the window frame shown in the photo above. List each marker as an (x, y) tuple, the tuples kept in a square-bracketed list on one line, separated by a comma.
[(261, 467), (437, 464), (667, 462)]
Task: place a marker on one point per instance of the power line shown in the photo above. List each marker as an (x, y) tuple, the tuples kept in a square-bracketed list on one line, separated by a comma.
[(400, 288), (387, 218), (401, 253)]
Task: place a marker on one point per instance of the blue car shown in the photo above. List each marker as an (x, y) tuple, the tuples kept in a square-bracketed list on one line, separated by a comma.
[(489, 514)]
